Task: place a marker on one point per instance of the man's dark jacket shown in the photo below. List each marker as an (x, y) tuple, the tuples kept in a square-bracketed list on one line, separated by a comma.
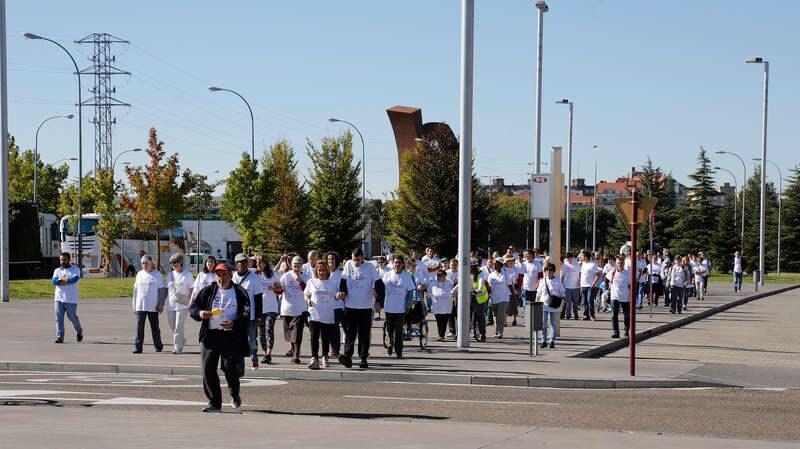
[(204, 301)]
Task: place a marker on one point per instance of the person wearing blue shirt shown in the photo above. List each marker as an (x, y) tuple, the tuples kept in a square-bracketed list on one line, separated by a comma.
[(65, 279)]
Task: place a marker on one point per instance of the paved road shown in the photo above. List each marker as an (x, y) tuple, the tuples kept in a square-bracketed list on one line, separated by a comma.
[(729, 413)]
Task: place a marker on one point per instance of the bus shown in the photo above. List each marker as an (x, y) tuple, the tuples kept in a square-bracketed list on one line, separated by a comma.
[(127, 249)]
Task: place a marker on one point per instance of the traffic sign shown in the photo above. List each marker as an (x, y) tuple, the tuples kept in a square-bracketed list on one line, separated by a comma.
[(643, 207)]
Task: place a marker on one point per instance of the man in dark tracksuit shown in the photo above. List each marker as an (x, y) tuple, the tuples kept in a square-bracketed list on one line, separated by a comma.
[(224, 310)]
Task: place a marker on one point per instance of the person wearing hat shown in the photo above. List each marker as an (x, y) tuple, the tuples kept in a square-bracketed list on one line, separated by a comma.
[(500, 289), (180, 283), (294, 308), (245, 277), (571, 281), (149, 293), (223, 308), (512, 272)]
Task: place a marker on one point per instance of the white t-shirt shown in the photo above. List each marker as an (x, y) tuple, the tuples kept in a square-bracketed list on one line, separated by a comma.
[(572, 274), (293, 303), (641, 267), (360, 285), (225, 300), (499, 283), (145, 290), (250, 282), (441, 295), (452, 276), (336, 276), (677, 276), (737, 265), (530, 271), (309, 270), (620, 283), (269, 300), (588, 272), (397, 287), (428, 262), (556, 289), (654, 269), (178, 282), (67, 293), (699, 272), (512, 274), (323, 296), (203, 280)]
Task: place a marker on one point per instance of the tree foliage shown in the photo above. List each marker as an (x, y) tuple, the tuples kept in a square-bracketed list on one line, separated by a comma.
[(661, 186), (50, 179), (335, 213), (790, 216), (425, 212), (510, 222), (248, 194), (725, 238), (157, 198), (752, 213), (105, 192), (697, 215), (284, 223)]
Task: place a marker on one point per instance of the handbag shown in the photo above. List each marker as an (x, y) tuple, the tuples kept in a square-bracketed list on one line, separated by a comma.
[(554, 302), (183, 298)]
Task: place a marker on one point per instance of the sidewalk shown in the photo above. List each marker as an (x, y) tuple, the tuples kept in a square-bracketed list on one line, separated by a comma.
[(109, 326)]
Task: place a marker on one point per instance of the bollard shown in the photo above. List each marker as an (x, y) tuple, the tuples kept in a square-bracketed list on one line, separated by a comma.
[(756, 278), (534, 324)]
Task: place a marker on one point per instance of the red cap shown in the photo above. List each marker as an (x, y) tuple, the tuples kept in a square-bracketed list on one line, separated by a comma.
[(222, 266)]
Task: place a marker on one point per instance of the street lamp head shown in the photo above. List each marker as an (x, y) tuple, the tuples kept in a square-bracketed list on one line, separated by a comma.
[(754, 61), (333, 120), (721, 152), (542, 6), (562, 101), (214, 88), (31, 36), (594, 146), (757, 159), (69, 116), (137, 149), (717, 168)]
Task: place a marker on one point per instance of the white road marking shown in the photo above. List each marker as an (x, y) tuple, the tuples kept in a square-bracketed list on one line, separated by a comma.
[(145, 401), (59, 382), (450, 400)]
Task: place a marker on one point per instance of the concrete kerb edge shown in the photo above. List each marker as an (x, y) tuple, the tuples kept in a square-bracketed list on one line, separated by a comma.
[(617, 345)]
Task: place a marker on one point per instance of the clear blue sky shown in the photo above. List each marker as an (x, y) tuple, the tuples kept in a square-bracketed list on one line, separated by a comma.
[(648, 78)]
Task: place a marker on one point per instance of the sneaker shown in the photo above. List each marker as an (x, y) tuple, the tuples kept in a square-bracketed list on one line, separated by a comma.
[(236, 402), (346, 361), (514, 323), (552, 344), (333, 353), (389, 350), (483, 339), (439, 339), (314, 363), (325, 363), (593, 318), (378, 318), (296, 360), (399, 355), (450, 335), (254, 365), (626, 334), (59, 340), (500, 336), (174, 351), (137, 351), (363, 364), (586, 318), (212, 409), (615, 335), (80, 336), (289, 353), (267, 359), (543, 345), (159, 349)]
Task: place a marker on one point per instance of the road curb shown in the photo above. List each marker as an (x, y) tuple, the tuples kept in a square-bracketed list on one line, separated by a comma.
[(358, 375), (616, 345)]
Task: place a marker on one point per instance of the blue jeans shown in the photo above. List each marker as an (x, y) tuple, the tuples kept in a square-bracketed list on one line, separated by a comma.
[(737, 281), (640, 294), (72, 313), (587, 299), (549, 326)]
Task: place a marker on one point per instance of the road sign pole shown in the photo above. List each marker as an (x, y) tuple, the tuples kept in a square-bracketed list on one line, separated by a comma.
[(634, 285)]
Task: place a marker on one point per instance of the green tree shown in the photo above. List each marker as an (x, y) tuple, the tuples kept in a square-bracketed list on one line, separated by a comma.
[(105, 192), (790, 232), (697, 215), (248, 193), (68, 201), (50, 179), (284, 224), (157, 198), (425, 212), (752, 212), (725, 238), (655, 183), (510, 223), (335, 214), (200, 201)]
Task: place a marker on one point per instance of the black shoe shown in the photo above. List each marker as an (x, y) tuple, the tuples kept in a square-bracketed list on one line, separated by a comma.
[(346, 361), (363, 364), (490, 323), (552, 344), (500, 336), (483, 339), (137, 351), (389, 350), (399, 356), (626, 334), (80, 336), (296, 360), (59, 340), (615, 335), (543, 345), (267, 359), (236, 402), (159, 349), (514, 323), (289, 353), (211, 409), (378, 318)]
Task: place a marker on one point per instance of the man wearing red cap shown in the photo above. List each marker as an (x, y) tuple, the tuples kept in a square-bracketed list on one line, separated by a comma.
[(224, 310)]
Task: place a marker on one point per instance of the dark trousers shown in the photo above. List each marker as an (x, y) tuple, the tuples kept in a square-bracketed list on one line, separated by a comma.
[(676, 299), (154, 329), (319, 331), (572, 299), (210, 359), (626, 312), (451, 322), (394, 329), (357, 324), (336, 333), (441, 323), (479, 319)]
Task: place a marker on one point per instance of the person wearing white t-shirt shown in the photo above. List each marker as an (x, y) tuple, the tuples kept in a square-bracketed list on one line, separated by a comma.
[(360, 279), (590, 276), (294, 308), (399, 297), (149, 294), (321, 293), (550, 285), (65, 279), (738, 265), (244, 276), (699, 271), (452, 276), (500, 293), (656, 282), (333, 260), (571, 279), (707, 264), (180, 284), (531, 270), (677, 285), (206, 275), (619, 281), (270, 288), (309, 268), (432, 265), (641, 269), (441, 291)]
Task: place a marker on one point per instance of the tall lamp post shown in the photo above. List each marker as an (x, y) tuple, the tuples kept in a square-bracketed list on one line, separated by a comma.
[(594, 203), (65, 159), (114, 162), (80, 146), (569, 171), (36, 152), (542, 7), (780, 194), (734, 191), (744, 184), (763, 208), (363, 180), (252, 121)]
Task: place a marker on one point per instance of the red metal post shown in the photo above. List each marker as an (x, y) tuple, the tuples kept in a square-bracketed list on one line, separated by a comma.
[(634, 285)]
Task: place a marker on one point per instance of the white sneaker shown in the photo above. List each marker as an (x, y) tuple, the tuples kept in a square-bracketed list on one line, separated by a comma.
[(314, 363), (325, 361)]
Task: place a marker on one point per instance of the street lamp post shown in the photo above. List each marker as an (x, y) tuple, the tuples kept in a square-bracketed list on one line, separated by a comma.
[(780, 194), (734, 191), (65, 159), (594, 203), (569, 171), (36, 152), (763, 208), (252, 121), (80, 146), (744, 184), (542, 8), (364, 243), (114, 162)]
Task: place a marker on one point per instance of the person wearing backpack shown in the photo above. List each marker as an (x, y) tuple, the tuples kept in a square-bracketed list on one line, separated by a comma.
[(551, 293)]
